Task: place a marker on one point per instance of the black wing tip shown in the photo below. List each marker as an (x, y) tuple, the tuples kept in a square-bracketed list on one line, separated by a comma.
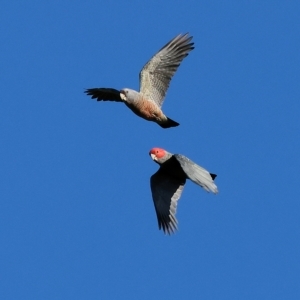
[(91, 91), (213, 176), (105, 94), (167, 227), (168, 224)]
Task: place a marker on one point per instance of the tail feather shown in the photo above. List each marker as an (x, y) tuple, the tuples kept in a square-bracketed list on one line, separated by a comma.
[(168, 123), (213, 176)]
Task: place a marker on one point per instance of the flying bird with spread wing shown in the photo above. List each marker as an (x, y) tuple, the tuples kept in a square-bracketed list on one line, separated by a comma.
[(168, 182), (154, 78)]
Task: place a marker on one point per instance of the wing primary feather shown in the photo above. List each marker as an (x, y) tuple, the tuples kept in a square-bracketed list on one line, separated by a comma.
[(104, 94), (157, 73), (166, 192), (197, 174)]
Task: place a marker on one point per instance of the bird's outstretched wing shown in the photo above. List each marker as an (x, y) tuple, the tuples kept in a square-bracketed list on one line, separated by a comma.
[(156, 75), (166, 191), (104, 94), (197, 174)]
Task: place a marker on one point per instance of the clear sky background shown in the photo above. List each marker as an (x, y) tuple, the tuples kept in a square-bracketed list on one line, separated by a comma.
[(76, 214)]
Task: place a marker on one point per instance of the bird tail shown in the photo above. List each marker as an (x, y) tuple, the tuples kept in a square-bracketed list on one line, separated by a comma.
[(213, 176), (168, 123)]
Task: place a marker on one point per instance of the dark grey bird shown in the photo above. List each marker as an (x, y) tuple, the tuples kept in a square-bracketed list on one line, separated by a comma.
[(168, 182)]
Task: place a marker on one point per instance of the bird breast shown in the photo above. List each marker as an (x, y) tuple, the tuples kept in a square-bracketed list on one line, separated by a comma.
[(146, 109), (173, 168)]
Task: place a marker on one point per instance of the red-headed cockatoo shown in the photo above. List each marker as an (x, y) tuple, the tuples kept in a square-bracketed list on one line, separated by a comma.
[(168, 182), (155, 78)]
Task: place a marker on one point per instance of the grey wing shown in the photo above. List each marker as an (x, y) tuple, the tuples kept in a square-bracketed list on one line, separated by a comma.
[(166, 191), (104, 94), (197, 174), (156, 75)]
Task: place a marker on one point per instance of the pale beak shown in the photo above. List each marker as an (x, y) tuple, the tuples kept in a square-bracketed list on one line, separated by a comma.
[(122, 96), (153, 156)]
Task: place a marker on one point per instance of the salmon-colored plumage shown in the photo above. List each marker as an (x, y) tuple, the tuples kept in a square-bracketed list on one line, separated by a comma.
[(155, 79)]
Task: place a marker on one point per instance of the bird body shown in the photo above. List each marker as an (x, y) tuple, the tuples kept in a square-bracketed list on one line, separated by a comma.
[(155, 78), (148, 110), (168, 182), (142, 107)]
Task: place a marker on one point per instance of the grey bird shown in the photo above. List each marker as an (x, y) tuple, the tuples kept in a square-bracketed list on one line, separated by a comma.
[(168, 182), (155, 78)]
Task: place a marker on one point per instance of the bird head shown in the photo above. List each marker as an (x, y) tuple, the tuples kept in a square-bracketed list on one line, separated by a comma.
[(159, 155), (128, 95)]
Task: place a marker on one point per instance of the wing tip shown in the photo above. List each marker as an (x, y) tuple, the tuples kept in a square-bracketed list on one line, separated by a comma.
[(90, 92), (104, 94), (168, 223)]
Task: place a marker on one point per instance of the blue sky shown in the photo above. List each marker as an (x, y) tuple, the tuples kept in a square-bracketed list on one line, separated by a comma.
[(76, 214)]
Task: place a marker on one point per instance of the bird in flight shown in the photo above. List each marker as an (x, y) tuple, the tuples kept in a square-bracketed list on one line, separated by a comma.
[(168, 182), (154, 78)]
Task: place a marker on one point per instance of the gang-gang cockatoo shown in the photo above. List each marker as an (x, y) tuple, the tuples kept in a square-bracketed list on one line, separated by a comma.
[(155, 78), (168, 182)]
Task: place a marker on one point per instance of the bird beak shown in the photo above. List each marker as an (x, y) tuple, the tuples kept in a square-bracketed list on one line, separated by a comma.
[(122, 96), (153, 156)]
